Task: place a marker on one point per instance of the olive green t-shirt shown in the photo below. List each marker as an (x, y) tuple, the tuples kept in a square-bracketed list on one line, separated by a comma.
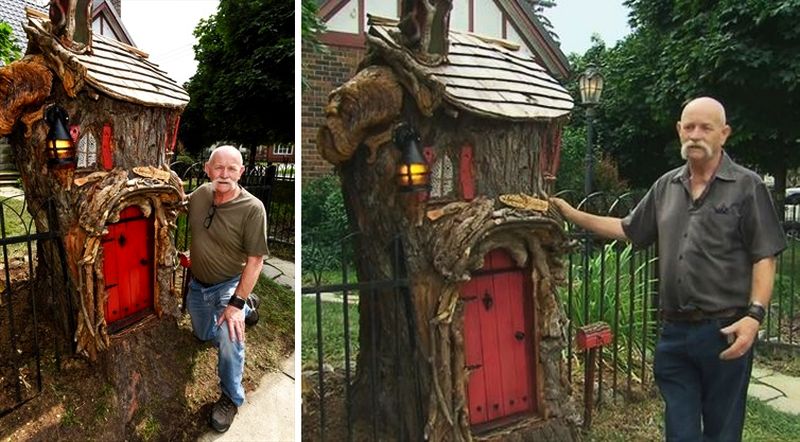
[(237, 230)]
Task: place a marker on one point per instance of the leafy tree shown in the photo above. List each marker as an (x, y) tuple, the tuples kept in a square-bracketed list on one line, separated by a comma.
[(742, 52), (9, 51), (243, 91)]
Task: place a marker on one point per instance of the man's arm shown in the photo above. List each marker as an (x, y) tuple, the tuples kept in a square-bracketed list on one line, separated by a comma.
[(745, 330), (606, 226), (232, 315)]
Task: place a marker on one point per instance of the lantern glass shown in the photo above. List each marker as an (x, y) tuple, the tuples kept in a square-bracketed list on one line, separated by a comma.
[(59, 145), (413, 174), (591, 85)]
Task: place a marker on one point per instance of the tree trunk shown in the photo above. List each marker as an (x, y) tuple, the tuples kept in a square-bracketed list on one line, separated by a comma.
[(412, 375)]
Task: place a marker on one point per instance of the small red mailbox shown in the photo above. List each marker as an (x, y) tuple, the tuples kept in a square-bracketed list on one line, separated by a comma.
[(593, 335)]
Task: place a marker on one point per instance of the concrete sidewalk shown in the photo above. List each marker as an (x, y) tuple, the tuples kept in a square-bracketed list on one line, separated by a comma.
[(268, 414), (279, 271), (775, 389)]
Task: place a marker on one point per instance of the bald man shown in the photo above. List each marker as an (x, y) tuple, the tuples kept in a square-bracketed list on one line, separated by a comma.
[(229, 241), (718, 237)]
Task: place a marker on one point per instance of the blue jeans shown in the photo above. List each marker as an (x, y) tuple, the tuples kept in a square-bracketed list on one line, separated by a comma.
[(205, 306), (705, 396)]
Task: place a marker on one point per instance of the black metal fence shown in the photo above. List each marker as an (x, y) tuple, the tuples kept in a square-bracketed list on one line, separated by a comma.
[(330, 327), (607, 281), (30, 334), (272, 183)]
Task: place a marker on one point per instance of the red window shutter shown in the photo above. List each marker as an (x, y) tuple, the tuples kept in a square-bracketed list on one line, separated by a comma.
[(465, 174), (107, 157)]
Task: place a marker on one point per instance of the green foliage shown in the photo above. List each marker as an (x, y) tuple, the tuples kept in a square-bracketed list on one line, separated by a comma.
[(9, 51), (742, 52), (243, 91), (311, 25), (572, 168), (324, 224), (620, 298)]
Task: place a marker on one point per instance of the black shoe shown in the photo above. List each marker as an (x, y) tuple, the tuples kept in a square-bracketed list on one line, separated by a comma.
[(222, 413), (253, 302)]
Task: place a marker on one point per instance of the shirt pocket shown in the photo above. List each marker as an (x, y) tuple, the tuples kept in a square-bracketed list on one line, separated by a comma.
[(719, 228)]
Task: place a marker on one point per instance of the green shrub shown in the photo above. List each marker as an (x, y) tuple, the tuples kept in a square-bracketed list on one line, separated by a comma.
[(324, 224)]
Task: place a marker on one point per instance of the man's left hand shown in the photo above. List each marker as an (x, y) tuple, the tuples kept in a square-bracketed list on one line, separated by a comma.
[(744, 333), (235, 319)]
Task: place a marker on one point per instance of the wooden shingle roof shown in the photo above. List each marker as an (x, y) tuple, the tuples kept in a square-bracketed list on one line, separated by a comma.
[(487, 77), (116, 69)]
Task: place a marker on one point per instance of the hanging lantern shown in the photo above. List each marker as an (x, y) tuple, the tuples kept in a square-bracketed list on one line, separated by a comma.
[(413, 174), (59, 145)]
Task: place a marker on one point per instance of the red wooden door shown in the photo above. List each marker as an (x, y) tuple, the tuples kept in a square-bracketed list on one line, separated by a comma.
[(128, 268), (498, 340)]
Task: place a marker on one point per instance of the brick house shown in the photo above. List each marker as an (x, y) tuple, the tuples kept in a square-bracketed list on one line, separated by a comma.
[(512, 20)]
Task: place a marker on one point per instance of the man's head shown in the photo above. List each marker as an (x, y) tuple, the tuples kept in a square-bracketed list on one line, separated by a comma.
[(702, 129), (224, 168)]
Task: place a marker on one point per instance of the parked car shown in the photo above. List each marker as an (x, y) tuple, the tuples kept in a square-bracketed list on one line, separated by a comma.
[(791, 211)]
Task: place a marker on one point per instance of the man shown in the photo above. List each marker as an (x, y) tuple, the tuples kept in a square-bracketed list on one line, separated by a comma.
[(718, 237), (229, 241)]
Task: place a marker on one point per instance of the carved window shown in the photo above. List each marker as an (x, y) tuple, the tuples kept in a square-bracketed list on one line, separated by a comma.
[(87, 151), (442, 177)]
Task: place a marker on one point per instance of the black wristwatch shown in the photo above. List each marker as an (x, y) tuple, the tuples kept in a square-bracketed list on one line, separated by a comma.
[(236, 302), (757, 312)]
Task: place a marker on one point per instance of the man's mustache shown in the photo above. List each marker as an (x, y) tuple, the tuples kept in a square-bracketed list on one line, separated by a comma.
[(690, 144)]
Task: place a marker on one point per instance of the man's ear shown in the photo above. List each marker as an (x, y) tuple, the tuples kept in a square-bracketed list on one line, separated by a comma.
[(726, 132)]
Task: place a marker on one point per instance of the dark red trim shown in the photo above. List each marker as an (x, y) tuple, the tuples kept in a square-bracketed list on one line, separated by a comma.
[(471, 14), (330, 8), (541, 41), (334, 38), (362, 12)]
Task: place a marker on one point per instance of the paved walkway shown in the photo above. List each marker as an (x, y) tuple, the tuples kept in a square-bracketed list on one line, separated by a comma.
[(778, 390), (268, 414)]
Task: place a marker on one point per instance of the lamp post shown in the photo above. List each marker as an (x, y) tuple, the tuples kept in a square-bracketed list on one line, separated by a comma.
[(591, 87), (590, 83)]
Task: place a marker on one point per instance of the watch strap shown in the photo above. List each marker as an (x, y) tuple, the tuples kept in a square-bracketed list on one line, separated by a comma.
[(757, 312), (236, 302)]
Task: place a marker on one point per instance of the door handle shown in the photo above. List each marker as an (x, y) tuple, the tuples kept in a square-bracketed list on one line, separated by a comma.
[(143, 262), (519, 335), (487, 301)]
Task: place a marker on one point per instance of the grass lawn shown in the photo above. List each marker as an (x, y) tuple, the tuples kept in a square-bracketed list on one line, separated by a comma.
[(644, 421), (333, 336)]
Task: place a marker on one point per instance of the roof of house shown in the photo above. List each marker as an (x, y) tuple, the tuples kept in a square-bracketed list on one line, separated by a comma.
[(114, 68), (13, 13), (485, 76)]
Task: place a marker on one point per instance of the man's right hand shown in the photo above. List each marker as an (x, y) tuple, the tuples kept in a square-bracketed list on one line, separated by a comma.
[(562, 205)]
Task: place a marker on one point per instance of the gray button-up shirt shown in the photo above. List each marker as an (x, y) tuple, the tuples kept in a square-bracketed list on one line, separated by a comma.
[(707, 247)]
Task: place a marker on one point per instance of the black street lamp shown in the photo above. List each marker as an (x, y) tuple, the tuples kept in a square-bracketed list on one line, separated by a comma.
[(590, 83)]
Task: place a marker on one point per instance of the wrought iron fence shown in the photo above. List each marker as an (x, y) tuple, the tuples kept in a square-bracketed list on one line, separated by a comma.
[(272, 183), (30, 331), (331, 342), (609, 281), (606, 281)]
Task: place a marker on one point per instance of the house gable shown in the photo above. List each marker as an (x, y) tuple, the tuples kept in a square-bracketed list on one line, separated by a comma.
[(512, 20), (105, 19)]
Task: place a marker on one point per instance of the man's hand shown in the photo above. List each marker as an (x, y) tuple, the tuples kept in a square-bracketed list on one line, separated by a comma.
[(562, 206), (744, 333), (235, 319)]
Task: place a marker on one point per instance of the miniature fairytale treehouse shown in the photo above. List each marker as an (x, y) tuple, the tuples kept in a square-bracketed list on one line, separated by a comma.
[(475, 124), (93, 122)]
